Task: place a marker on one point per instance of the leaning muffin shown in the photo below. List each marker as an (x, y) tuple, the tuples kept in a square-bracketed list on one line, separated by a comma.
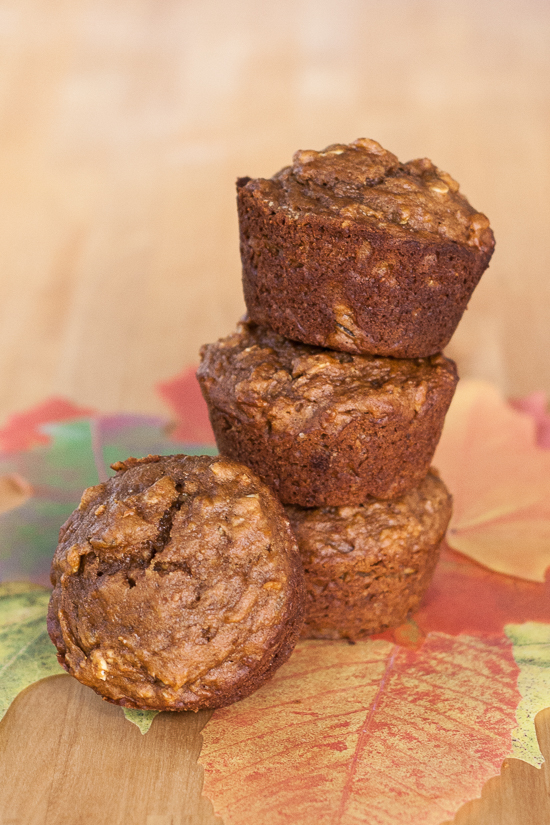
[(351, 249), (323, 427), (367, 566), (177, 585)]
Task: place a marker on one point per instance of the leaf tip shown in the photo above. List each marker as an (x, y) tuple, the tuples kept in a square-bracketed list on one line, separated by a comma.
[(142, 719)]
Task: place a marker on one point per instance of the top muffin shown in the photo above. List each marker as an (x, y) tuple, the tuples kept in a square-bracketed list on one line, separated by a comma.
[(351, 249)]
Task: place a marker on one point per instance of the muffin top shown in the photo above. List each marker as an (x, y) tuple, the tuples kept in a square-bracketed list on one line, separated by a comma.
[(293, 388), (174, 582), (363, 183)]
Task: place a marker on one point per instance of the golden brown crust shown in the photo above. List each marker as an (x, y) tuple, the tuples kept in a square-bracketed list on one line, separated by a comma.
[(177, 585), (353, 250), (366, 183), (323, 427), (367, 566)]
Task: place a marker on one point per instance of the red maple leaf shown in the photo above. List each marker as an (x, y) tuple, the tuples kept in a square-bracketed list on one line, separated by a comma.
[(22, 430), (185, 398), (465, 597)]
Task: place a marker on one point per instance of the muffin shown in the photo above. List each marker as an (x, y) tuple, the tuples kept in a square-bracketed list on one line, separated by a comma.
[(367, 566), (353, 250), (323, 427), (177, 585)]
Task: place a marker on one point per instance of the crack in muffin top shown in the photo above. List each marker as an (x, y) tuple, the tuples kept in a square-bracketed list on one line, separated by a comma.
[(172, 579)]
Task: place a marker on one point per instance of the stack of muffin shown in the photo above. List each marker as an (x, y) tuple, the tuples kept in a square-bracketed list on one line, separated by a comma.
[(356, 271)]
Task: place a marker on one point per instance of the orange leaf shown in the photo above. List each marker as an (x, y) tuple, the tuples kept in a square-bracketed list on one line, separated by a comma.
[(500, 480), (365, 733)]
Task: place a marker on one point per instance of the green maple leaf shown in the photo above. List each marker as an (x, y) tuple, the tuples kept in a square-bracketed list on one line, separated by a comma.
[(26, 652), (78, 455)]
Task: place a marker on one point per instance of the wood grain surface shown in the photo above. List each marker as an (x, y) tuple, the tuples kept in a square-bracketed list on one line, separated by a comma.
[(66, 756), (123, 127)]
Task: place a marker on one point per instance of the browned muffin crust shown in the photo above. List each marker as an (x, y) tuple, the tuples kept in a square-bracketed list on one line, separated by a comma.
[(366, 567), (323, 427), (350, 249), (178, 585)]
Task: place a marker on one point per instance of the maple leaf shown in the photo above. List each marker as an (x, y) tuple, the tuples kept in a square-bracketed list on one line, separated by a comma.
[(74, 454), (24, 430), (500, 481), (366, 732), (464, 597)]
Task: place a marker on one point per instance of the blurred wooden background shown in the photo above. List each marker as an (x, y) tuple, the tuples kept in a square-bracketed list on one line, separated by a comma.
[(124, 125)]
